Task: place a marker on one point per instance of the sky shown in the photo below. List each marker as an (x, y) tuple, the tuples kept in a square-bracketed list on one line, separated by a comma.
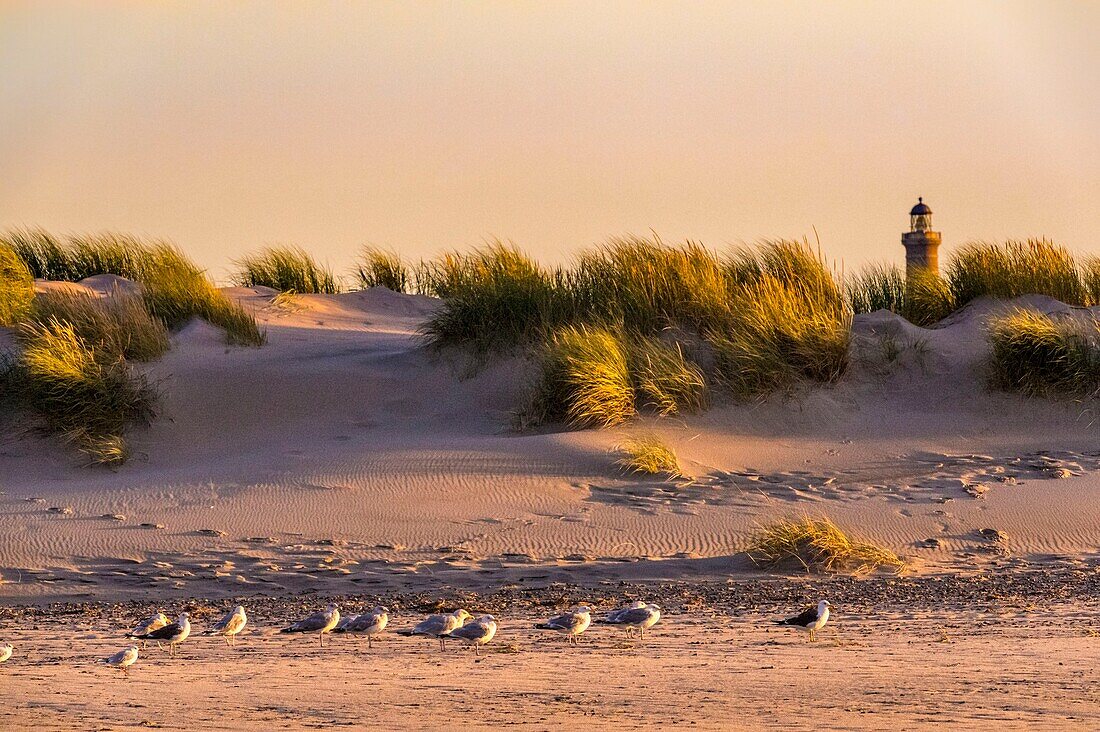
[(428, 126)]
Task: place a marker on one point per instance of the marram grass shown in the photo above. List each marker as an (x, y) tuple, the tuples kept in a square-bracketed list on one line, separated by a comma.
[(664, 379), (1015, 268), (1038, 355), (286, 269), (117, 325), (16, 287), (379, 268), (818, 545), (178, 294), (586, 380), (649, 455), (86, 396)]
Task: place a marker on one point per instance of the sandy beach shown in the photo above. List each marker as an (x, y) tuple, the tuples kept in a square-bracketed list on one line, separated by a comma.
[(345, 460)]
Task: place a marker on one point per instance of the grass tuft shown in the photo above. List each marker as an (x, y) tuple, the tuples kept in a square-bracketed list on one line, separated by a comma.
[(82, 394), (1015, 268), (494, 298), (664, 379), (586, 380), (287, 269), (878, 287), (117, 325), (16, 287), (1036, 355), (378, 268), (818, 545), (647, 454), (178, 294)]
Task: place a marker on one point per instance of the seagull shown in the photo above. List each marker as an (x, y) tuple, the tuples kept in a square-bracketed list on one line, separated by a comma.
[(319, 622), (229, 626), (124, 659), (479, 632), (368, 624), (638, 615), (811, 619), (613, 616), (439, 626), (174, 633), (572, 623), (5, 652), (154, 622)]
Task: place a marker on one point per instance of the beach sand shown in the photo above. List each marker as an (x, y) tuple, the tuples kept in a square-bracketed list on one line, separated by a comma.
[(344, 458)]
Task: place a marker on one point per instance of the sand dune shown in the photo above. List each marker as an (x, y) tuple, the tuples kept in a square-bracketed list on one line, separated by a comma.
[(343, 454)]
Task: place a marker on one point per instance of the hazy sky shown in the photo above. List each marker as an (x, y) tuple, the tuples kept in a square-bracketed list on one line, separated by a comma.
[(424, 126)]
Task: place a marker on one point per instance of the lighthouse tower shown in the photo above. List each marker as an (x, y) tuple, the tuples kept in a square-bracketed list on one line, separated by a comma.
[(921, 243)]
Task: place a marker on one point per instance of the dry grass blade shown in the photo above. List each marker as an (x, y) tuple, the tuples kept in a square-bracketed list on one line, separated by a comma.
[(818, 545)]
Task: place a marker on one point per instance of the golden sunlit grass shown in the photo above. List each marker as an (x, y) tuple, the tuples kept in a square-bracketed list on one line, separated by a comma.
[(378, 268), (1036, 354), (287, 269), (1014, 268), (769, 316), (178, 294), (16, 287), (663, 378), (494, 298), (86, 396), (586, 380), (647, 454), (781, 334), (877, 287), (818, 545), (118, 325), (77, 257)]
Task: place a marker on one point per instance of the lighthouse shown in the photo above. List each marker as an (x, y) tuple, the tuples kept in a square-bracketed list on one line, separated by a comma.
[(921, 243)]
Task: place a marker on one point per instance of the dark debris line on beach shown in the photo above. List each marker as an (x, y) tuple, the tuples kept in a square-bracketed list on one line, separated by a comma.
[(985, 592)]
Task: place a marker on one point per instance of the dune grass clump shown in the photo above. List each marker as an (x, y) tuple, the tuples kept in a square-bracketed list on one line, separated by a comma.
[(16, 287), (494, 298), (928, 298), (378, 268), (1036, 355), (89, 397), (79, 256), (586, 380), (818, 545), (645, 285), (647, 454), (664, 379), (878, 287), (287, 269), (1015, 268), (782, 333), (117, 325), (178, 294)]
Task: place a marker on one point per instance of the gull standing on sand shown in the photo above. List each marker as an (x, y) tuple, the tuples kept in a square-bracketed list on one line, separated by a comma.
[(172, 634), (439, 626), (155, 621), (368, 624), (812, 619), (613, 616), (572, 623), (319, 622), (5, 652), (479, 632), (229, 626), (638, 616), (124, 659)]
